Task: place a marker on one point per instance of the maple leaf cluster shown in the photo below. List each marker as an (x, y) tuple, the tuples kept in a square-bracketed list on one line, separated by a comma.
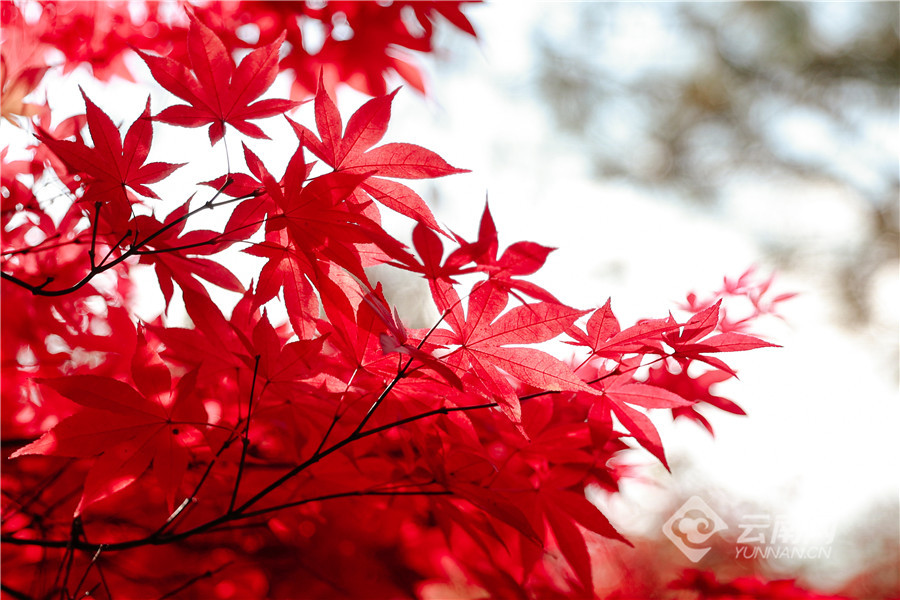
[(361, 43), (338, 453)]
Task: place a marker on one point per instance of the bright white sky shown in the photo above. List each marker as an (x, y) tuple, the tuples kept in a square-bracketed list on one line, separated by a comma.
[(820, 441)]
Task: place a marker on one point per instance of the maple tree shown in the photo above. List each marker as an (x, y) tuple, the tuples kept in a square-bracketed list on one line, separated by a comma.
[(340, 453)]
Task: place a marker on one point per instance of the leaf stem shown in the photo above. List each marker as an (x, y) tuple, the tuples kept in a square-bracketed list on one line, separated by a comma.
[(97, 206)]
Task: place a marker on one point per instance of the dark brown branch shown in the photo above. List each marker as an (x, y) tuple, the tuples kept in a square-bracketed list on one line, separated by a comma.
[(358, 493), (179, 510), (87, 571), (16, 594), (206, 574), (400, 375), (245, 439), (133, 249), (242, 511)]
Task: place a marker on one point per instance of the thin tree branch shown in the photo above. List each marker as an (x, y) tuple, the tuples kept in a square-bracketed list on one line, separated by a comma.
[(400, 375), (245, 439), (87, 570), (358, 493), (133, 249), (193, 495), (206, 574), (241, 512), (13, 593)]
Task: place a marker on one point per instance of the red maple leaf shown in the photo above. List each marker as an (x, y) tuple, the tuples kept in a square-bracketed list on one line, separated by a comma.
[(322, 225), (697, 389), (174, 252), (431, 250), (112, 165), (605, 338), (690, 342), (483, 344), (127, 429), (351, 151), (217, 92), (381, 33), (621, 394), (562, 509), (521, 258), (396, 338)]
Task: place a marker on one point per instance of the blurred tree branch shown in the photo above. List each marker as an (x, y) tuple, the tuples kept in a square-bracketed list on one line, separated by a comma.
[(693, 125)]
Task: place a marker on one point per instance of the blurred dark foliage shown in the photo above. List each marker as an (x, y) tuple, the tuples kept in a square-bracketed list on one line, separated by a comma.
[(719, 108)]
